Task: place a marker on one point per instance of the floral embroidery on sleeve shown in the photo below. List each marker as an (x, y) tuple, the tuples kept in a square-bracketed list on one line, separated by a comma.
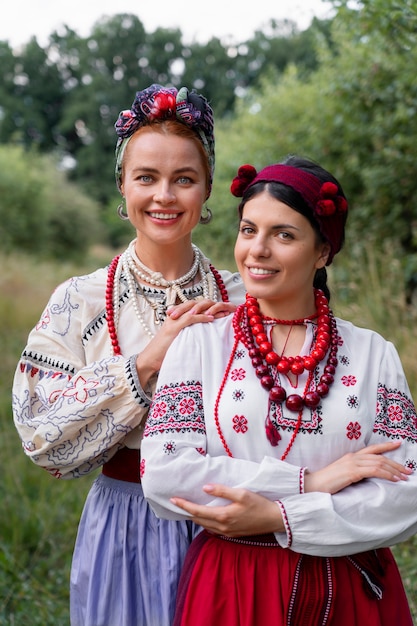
[(395, 415), (176, 408)]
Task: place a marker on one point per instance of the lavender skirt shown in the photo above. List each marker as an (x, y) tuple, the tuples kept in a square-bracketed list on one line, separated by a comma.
[(126, 562)]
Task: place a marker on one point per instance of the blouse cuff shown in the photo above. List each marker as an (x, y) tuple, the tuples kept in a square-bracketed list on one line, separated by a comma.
[(284, 539), (302, 479), (133, 380)]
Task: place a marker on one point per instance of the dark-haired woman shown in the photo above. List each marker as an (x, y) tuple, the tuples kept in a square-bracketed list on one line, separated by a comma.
[(84, 383), (290, 434)]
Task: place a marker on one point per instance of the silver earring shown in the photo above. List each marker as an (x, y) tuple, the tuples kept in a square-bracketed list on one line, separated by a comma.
[(205, 219), (121, 212)]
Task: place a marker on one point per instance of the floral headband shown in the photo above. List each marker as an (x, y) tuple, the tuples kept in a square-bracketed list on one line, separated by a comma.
[(160, 103), (328, 205)]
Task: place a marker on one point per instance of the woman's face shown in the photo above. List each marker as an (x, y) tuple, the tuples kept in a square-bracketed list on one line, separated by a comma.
[(164, 184), (277, 254)]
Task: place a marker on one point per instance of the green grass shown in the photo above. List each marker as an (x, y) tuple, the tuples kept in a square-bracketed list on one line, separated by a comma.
[(40, 514)]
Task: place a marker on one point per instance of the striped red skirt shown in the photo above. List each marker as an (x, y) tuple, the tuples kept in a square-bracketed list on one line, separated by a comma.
[(255, 582)]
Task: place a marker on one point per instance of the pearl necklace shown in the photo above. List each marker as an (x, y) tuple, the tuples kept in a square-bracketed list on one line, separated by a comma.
[(156, 278), (249, 329), (210, 278)]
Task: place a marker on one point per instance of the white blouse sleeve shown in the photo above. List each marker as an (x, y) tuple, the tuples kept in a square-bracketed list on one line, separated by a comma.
[(71, 415), (373, 513), (176, 459)]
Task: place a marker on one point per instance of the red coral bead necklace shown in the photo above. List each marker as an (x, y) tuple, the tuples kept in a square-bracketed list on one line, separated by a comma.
[(249, 328)]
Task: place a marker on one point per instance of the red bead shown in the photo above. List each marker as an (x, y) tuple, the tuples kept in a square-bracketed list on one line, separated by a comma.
[(312, 399), (252, 310), (327, 379), (323, 335), (283, 366), (267, 382), (261, 370), (318, 354), (310, 363), (272, 358), (294, 402), (322, 389), (265, 347), (256, 319), (277, 394), (297, 368), (330, 369), (261, 338), (321, 344), (257, 329)]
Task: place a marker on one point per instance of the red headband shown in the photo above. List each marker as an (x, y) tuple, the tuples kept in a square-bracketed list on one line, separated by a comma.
[(329, 207)]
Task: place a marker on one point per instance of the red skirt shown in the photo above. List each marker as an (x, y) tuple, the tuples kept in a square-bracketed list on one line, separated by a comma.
[(255, 582)]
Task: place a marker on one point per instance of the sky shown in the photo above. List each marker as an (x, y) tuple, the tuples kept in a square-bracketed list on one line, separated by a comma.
[(234, 19)]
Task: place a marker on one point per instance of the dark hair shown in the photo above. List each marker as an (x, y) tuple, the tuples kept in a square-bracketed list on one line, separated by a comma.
[(292, 198)]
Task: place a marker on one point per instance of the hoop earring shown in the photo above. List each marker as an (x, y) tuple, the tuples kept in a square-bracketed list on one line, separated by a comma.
[(205, 219), (121, 212)]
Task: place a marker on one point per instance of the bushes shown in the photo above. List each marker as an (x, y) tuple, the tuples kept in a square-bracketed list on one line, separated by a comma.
[(41, 212)]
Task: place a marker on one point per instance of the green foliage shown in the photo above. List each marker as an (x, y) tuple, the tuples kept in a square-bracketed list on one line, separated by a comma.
[(355, 114), (68, 94), (40, 211)]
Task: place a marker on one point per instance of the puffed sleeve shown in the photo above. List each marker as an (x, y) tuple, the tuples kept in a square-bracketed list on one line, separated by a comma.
[(373, 513), (176, 451), (71, 415)]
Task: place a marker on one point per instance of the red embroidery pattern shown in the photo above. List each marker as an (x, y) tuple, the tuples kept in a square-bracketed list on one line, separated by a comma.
[(353, 430), (78, 389), (177, 408), (170, 447), (186, 406), (44, 321), (395, 415), (142, 468), (240, 424), (238, 374), (349, 381)]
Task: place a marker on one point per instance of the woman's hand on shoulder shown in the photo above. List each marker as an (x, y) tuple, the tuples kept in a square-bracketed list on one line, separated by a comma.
[(180, 316), (247, 514), (370, 462), (202, 306)]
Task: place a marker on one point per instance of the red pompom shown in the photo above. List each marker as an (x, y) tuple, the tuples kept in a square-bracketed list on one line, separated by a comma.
[(245, 175), (342, 204), (328, 190), (325, 207)]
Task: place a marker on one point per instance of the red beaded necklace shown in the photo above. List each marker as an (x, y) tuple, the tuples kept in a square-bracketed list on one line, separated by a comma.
[(248, 325), (110, 305)]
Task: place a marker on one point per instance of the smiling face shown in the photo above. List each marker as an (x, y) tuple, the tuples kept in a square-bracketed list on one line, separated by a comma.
[(277, 253), (165, 185)]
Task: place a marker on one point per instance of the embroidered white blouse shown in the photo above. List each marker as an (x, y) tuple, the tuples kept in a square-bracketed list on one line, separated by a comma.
[(74, 404), (369, 402)]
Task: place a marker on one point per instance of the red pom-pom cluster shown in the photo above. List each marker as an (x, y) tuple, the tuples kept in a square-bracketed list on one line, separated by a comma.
[(245, 175), (330, 201)]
